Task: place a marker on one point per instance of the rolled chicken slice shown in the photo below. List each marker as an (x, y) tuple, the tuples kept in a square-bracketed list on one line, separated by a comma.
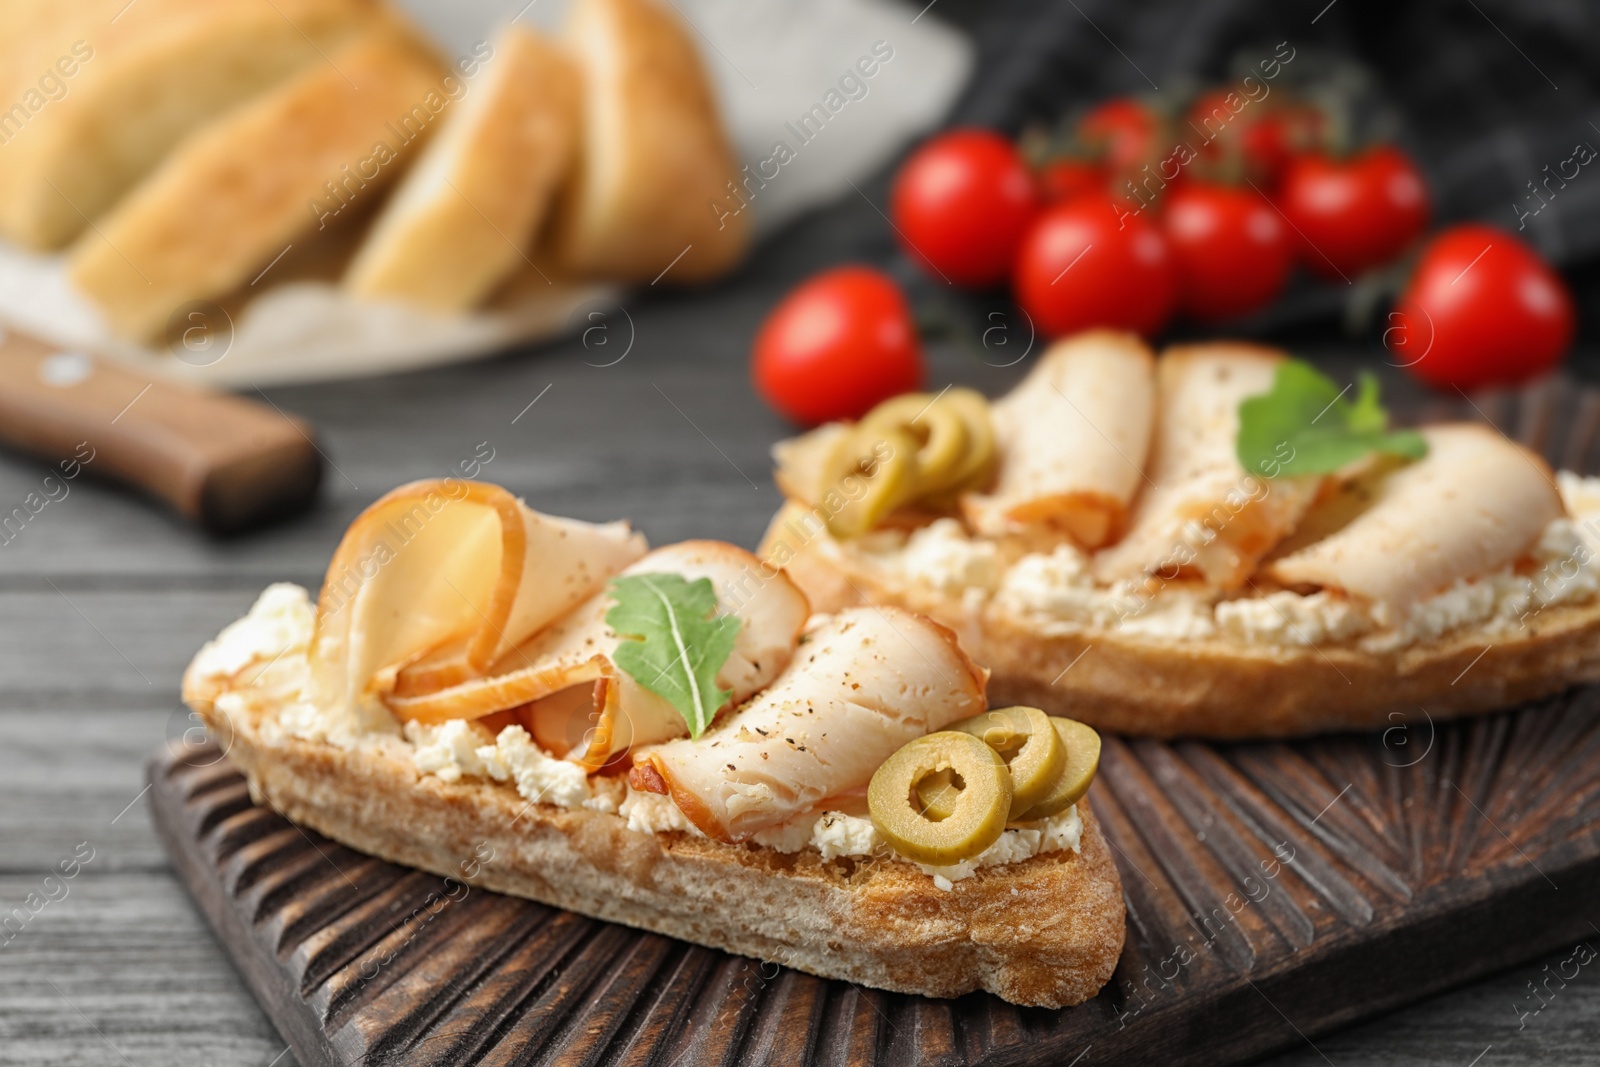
[(439, 579), (575, 700), (1203, 516), (1073, 438), (865, 682), (1473, 504)]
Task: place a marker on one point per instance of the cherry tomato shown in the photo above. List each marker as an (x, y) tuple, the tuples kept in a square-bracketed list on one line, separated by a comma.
[(1481, 309), (837, 345), (1271, 143), (1125, 132), (1231, 249), (1217, 116), (1354, 214), (1063, 179), (1251, 136), (1092, 262), (961, 203)]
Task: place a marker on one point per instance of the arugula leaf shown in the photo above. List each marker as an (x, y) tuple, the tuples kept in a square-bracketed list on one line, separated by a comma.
[(679, 644), (1307, 425)]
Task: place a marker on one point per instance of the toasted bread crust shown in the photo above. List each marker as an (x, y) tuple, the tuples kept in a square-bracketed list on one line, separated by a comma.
[(1045, 932), (1221, 688)]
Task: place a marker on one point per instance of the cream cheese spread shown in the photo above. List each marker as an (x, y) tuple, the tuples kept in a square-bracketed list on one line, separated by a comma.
[(941, 556), (279, 622), (263, 659), (1057, 589), (460, 749)]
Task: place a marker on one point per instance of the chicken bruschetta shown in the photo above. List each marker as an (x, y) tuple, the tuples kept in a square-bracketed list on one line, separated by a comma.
[(1218, 543), (829, 792)]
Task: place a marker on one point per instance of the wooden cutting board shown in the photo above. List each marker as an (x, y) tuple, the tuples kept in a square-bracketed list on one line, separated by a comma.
[(1275, 891)]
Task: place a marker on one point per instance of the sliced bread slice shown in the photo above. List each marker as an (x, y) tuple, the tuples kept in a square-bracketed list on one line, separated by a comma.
[(655, 159), (466, 215)]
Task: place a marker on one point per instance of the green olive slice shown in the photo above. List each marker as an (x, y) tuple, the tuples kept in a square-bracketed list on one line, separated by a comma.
[(1082, 746), (937, 794), (1031, 749), (977, 816), (873, 472), (939, 429), (982, 453), (978, 462), (897, 410)]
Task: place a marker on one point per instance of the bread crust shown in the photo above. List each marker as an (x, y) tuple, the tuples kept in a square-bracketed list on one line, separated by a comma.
[(1044, 932), (1219, 688)]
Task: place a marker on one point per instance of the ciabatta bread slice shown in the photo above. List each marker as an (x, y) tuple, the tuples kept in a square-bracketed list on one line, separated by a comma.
[(1045, 931), (1216, 686), (133, 88), (277, 170), (467, 214), (655, 160)]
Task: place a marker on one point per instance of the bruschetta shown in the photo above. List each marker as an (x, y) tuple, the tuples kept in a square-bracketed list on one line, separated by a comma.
[(647, 737), (1125, 567)]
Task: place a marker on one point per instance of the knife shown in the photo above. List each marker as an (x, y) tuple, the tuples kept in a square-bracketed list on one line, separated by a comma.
[(224, 463)]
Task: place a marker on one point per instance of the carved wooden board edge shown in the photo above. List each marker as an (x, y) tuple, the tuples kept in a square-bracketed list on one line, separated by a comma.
[(182, 827)]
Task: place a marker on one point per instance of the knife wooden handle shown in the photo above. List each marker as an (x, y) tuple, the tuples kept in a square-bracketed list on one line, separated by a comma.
[(223, 462)]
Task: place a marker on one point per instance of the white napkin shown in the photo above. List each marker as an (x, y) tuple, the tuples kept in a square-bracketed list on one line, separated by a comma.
[(789, 73)]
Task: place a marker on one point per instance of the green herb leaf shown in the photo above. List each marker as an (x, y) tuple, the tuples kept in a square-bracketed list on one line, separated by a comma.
[(679, 643), (1307, 425)]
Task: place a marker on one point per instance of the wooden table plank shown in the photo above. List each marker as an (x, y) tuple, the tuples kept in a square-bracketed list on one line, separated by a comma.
[(74, 774), (122, 970), (67, 640)]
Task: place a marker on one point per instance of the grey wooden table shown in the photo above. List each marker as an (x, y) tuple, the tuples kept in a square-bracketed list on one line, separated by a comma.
[(103, 600)]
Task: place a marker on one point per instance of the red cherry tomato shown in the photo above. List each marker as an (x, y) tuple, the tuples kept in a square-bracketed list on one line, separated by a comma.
[(1252, 135), (1125, 132), (1217, 116), (1231, 249), (1356, 214), (962, 203), (1270, 144), (837, 345), (1091, 262), (1064, 179), (1481, 309)]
